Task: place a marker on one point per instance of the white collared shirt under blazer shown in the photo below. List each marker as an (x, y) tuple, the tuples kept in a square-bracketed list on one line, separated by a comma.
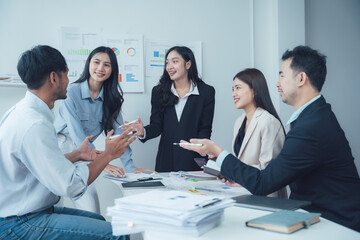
[(262, 142)]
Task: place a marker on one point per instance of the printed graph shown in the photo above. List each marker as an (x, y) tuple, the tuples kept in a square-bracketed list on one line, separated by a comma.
[(157, 54), (130, 78), (131, 52), (116, 51), (78, 51)]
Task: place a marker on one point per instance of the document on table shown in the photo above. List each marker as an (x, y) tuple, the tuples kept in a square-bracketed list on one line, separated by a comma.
[(132, 177)]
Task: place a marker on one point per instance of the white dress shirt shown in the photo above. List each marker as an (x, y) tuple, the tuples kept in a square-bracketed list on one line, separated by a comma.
[(179, 107), (33, 170)]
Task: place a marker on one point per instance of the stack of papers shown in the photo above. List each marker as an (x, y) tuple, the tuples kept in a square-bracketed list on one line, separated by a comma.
[(175, 212)]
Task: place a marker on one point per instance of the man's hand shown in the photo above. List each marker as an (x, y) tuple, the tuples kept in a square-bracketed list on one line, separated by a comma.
[(117, 146), (208, 147), (86, 153), (114, 148)]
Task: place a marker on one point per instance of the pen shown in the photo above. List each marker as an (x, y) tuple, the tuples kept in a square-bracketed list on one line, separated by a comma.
[(188, 144), (148, 179), (208, 203), (207, 189), (115, 136), (133, 121)]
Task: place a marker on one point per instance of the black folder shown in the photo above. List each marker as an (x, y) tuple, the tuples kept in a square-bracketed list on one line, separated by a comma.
[(269, 203), (143, 184)]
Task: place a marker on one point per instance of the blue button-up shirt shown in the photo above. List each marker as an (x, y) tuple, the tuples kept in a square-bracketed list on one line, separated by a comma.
[(33, 170), (81, 116), (296, 114)]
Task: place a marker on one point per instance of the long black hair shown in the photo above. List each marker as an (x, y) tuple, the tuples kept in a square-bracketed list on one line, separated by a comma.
[(256, 81), (167, 98), (113, 95)]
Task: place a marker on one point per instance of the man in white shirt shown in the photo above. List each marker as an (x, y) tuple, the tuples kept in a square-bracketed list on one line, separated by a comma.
[(34, 173)]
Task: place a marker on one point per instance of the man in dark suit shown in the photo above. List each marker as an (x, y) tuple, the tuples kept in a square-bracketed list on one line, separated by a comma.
[(316, 160)]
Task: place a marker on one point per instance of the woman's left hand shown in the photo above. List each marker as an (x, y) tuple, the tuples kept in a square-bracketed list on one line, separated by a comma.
[(114, 170), (138, 126), (140, 170)]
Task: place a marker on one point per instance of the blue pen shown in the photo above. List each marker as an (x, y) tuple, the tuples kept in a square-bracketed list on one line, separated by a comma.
[(207, 189)]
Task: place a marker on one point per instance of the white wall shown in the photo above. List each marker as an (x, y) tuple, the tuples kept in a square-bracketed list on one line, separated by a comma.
[(333, 27), (266, 44), (278, 25), (223, 28)]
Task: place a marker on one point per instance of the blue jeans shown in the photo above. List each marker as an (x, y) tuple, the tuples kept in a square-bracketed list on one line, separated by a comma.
[(57, 223)]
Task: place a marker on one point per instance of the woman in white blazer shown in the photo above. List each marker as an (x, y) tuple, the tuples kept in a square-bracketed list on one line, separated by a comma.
[(258, 132)]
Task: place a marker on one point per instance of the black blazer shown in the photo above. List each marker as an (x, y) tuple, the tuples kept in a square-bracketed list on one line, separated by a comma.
[(196, 122), (316, 162)]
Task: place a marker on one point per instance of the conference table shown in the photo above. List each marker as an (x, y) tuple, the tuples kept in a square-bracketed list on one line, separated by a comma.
[(233, 226)]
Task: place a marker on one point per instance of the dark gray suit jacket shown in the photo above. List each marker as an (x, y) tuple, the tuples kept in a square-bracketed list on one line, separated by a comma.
[(316, 162)]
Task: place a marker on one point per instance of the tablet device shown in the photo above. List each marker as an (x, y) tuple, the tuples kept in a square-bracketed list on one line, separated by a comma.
[(200, 161)]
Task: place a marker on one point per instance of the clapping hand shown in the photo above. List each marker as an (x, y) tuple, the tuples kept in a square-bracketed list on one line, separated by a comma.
[(86, 152)]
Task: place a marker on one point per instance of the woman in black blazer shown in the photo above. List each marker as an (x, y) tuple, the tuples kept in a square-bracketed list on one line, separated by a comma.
[(182, 107)]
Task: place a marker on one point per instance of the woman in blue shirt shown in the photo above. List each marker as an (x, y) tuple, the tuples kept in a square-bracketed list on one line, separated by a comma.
[(92, 106)]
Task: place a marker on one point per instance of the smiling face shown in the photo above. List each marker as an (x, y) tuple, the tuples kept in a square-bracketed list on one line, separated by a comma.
[(100, 67), (242, 94), (176, 66), (287, 83)]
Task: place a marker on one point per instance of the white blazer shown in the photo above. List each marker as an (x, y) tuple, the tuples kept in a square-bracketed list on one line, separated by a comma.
[(262, 142)]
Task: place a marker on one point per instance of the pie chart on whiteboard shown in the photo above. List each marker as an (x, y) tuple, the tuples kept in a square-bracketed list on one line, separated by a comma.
[(116, 50), (131, 52)]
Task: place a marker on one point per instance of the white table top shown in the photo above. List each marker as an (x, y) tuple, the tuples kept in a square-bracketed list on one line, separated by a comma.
[(233, 225)]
